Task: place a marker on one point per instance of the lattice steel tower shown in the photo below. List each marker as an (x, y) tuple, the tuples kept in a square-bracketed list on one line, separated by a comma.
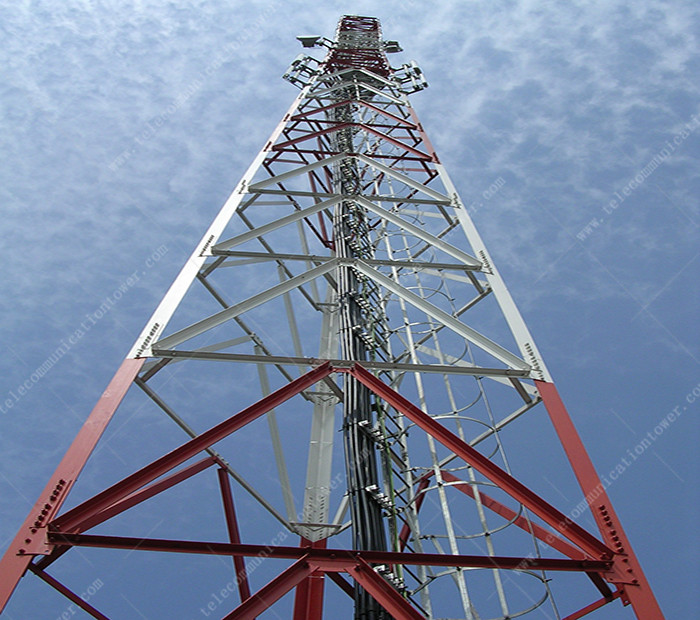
[(345, 276)]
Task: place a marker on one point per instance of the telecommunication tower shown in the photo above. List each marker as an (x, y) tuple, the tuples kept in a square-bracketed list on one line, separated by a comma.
[(346, 278)]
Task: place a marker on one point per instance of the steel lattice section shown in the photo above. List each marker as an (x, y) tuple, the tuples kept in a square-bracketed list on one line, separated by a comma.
[(345, 277)]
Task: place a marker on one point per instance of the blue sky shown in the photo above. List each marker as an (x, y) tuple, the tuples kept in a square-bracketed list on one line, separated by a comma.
[(572, 132)]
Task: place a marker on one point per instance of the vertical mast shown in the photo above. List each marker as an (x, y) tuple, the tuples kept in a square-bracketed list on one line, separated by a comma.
[(360, 319)]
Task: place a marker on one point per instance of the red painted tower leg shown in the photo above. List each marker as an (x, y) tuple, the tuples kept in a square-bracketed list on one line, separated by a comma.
[(30, 538), (308, 601), (638, 592)]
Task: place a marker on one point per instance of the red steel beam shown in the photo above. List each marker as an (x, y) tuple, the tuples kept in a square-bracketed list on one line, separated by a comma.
[(313, 134), (186, 451), (301, 600), (326, 152), (308, 599), (69, 594), (233, 533), (146, 493), (426, 141), (378, 587), (315, 124), (327, 555), (340, 581), (272, 592), (318, 561), (547, 537), (592, 607), (383, 592), (638, 591), (560, 522), (303, 116), (30, 537), (406, 529), (128, 502), (396, 142)]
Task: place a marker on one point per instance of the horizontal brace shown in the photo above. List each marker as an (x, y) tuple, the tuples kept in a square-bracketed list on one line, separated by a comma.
[(529, 390), (296, 192), (326, 92), (324, 151), (328, 557), (376, 197), (217, 356), (149, 368), (303, 116), (387, 170), (361, 76), (368, 128), (401, 264), (305, 127), (419, 201)]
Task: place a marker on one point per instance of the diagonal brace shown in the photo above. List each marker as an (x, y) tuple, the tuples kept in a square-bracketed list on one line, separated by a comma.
[(560, 522), (164, 464)]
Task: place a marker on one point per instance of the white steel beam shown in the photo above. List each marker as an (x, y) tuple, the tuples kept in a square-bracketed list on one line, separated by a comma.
[(520, 332), (163, 313), (273, 427), (260, 231), (420, 233), (280, 178), (483, 372), (316, 258), (316, 507), (454, 324), (406, 180), (462, 368), (233, 311), (324, 92)]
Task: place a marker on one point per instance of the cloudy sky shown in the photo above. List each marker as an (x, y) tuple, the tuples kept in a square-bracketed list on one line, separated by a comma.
[(124, 126)]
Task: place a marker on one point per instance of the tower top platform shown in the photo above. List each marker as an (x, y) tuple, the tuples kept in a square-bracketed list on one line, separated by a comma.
[(358, 45)]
